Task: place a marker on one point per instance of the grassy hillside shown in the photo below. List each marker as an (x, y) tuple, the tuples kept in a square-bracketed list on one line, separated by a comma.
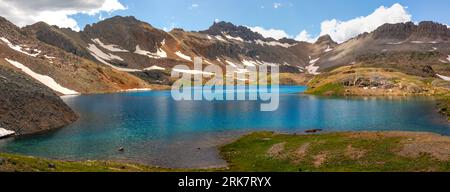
[(366, 81), (384, 151)]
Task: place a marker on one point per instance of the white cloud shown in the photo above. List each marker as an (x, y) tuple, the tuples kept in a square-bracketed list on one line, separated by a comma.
[(195, 5), (54, 12), (342, 31), (276, 5), (305, 36), (170, 27), (273, 33)]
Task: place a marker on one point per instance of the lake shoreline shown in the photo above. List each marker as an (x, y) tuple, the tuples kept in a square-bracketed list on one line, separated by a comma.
[(146, 149), (274, 146)]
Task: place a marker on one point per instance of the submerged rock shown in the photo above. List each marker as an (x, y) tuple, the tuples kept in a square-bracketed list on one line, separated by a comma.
[(313, 130)]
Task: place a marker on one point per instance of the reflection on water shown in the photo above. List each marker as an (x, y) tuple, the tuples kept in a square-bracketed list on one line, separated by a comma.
[(157, 130)]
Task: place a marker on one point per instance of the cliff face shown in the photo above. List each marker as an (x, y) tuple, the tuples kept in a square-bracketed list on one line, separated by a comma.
[(28, 107), (426, 30)]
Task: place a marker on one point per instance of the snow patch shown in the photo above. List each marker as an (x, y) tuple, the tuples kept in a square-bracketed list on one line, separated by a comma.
[(314, 61), (274, 43), (230, 63), (448, 58), (207, 62), (312, 69), (218, 37), (267, 63), (250, 63), (241, 71), (433, 49), (397, 43), (328, 49), (417, 42), (183, 56), (154, 67), (6, 133), (112, 48), (137, 90), (445, 78), (49, 57), (104, 58), (95, 51), (46, 80), (20, 49), (159, 53), (234, 38), (194, 72)]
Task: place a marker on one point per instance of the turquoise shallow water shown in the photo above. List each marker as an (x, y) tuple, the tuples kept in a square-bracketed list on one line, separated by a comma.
[(157, 130)]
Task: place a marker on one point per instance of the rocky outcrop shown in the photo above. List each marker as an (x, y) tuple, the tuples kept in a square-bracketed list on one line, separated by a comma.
[(399, 31), (28, 107), (426, 30), (326, 40), (221, 28), (65, 39)]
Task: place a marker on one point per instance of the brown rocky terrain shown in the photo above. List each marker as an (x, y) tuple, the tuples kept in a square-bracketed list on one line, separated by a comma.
[(421, 50), (139, 46), (28, 107), (68, 70)]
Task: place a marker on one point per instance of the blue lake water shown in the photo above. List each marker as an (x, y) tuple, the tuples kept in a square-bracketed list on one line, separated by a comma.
[(154, 129)]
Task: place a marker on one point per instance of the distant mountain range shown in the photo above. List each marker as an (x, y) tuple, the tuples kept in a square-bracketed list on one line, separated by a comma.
[(131, 45)]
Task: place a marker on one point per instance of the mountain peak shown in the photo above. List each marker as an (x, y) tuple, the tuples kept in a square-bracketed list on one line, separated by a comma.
[(118, 21), (222, 27), (123, 18), (326, 39)]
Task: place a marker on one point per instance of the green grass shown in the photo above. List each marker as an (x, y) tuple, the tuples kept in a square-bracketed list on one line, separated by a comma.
[(250, 154), (327, 89), (19, 163)]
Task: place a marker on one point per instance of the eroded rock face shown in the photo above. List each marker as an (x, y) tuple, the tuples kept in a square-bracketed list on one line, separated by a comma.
[(395, 31), (236, 31), (64, 38), (403, 31), (28, 107)]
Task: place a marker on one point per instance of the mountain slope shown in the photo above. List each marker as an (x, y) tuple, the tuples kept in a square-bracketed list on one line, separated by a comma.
[(27, 106), (421, 50), (130, 45), (54, 64)]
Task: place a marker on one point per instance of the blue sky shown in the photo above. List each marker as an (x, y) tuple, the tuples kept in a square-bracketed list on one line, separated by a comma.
[(292, 16)]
